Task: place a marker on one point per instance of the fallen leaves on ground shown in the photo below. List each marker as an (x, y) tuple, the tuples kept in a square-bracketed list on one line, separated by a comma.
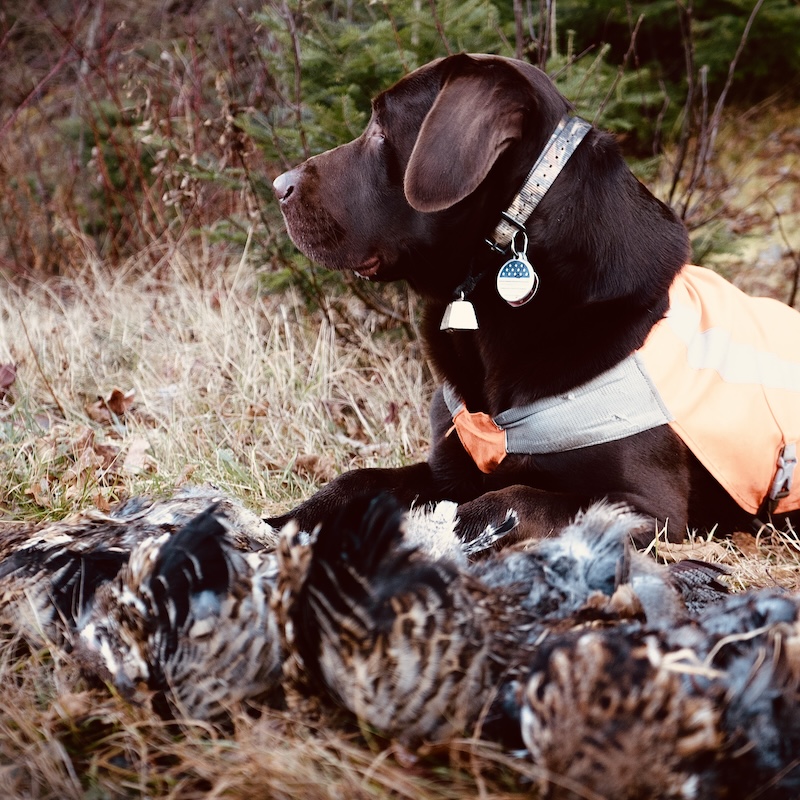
[(79, 463), (318, 468), (108, 410)]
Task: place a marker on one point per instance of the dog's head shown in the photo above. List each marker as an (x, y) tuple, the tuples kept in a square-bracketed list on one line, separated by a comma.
[(444, 152), (432, 141)]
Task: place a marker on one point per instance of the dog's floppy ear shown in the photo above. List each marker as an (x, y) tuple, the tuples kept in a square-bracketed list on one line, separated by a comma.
[(472, 121)]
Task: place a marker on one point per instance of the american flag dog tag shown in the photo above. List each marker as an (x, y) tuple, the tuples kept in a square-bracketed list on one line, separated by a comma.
[(517, 280)]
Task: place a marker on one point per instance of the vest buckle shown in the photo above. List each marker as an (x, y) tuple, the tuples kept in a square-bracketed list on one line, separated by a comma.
[(782, 484)]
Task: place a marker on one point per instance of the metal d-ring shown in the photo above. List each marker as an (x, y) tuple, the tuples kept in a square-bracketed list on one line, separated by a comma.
[(517, 252)]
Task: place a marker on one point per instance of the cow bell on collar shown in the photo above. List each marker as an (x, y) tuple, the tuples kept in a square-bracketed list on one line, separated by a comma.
[(459, 316)]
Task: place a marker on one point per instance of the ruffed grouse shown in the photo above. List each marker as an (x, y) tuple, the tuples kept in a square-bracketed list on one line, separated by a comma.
[(172, 595), (707, 708), (417, 647)]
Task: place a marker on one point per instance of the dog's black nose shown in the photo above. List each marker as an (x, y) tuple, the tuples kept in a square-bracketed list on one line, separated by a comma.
[(284, 184)]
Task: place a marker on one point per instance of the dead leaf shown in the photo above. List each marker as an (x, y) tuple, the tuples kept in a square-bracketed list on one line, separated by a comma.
[(259, 409), (101, 502), (8, 374), (136, 459), (345, 416), (107, 453), (40, 492), (86, 465), (107, 410), (82, 440), (318, 468), (97, 412), (119, 402), (186, 474)]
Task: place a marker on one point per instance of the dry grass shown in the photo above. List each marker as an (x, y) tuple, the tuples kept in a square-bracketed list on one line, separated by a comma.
[(216, 382), (245, 390), (60, 740)]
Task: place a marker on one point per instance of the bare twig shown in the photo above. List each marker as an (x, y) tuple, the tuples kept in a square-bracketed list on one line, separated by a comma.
[(396, 32), (621, 70), (66, 57), (709, 127), (440, 27), (716, 116), (39, 367), (700, 147), (792, 252), (543, 39), (519, 30), (685, 21)]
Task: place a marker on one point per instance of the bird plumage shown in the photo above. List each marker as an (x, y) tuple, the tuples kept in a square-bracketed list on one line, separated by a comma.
[(168, 594), (49, 574), (383, 612), (601, 721), (418, 647), (591, 561), (707, 708), (398, 638), (189, 617)]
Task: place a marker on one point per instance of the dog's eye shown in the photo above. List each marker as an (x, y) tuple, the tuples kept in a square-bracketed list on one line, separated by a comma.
[(378, 137)]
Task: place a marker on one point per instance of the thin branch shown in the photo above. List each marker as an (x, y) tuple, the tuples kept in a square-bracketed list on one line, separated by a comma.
[(440, 27), (542, 46), (710, 127), (519, 30), (414, 32), (621, 69), (717, 114), (36, 91), (792, 252), (685, 21), (700, 149), (39, 367)]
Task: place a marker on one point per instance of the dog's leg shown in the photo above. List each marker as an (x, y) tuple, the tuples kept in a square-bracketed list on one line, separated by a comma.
[(538, 513), (413, 484)]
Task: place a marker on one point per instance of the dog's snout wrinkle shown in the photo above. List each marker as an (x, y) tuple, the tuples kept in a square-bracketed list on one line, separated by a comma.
[(284, 184)]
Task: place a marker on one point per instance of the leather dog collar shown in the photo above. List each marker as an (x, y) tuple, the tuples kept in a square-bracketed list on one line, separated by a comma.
[(562, 144)]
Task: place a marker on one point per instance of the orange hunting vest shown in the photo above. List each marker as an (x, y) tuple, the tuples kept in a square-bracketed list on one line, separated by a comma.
[(722, 368), (727, 367)]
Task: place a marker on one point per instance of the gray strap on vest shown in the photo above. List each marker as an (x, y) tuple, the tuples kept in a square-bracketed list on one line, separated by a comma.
[(618, 403)]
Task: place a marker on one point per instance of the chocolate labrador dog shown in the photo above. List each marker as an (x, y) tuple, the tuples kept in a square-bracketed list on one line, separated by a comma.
[(580, 356)]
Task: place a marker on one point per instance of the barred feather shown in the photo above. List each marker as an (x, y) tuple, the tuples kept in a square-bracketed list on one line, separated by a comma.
[(188, 616), (705, 709)]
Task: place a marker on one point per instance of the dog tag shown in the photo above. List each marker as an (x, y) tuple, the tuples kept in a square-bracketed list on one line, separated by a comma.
[(517, 281), (459, 316)]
